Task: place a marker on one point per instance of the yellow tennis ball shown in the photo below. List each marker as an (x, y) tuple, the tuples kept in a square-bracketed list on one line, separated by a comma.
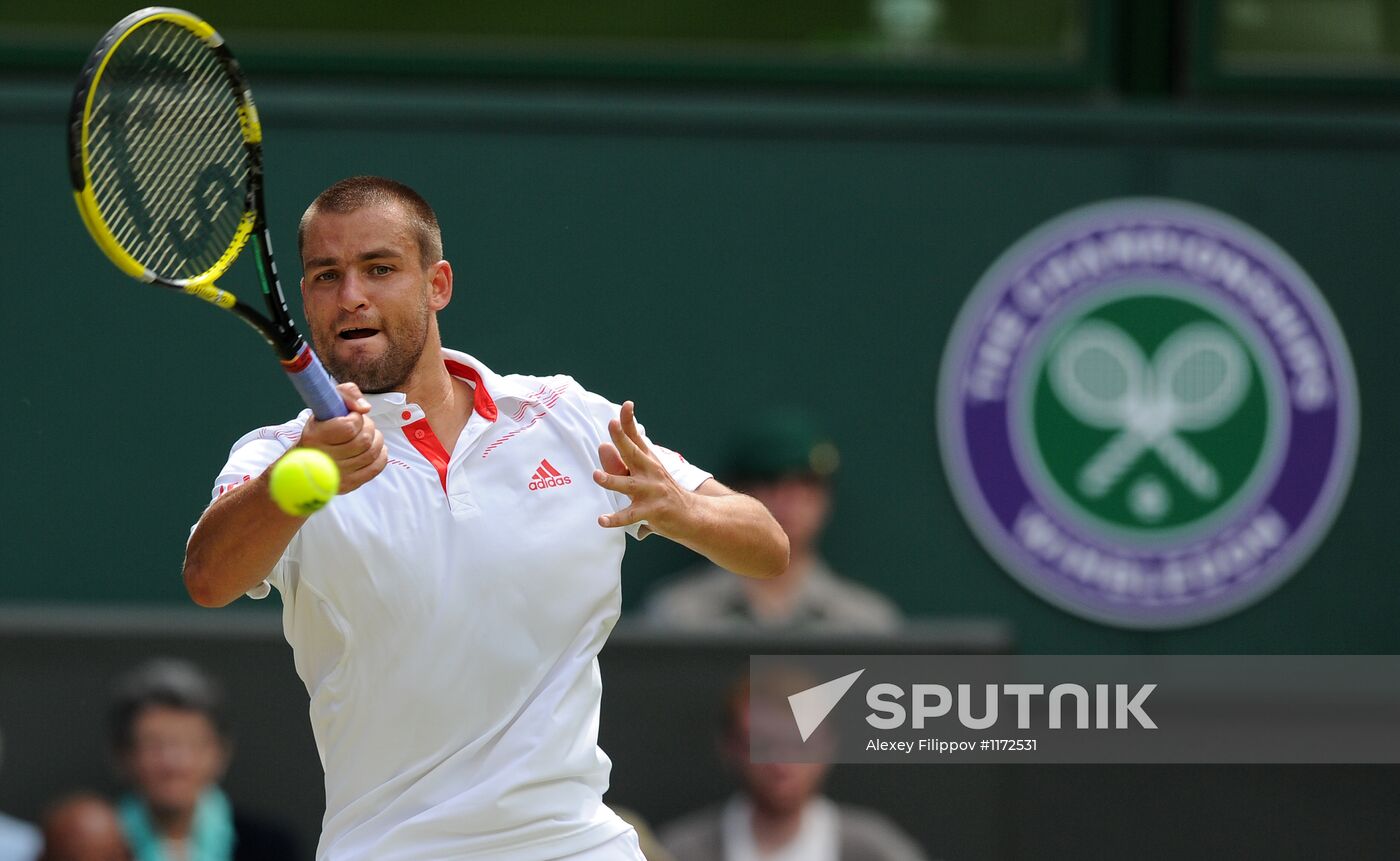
[(303, 481)]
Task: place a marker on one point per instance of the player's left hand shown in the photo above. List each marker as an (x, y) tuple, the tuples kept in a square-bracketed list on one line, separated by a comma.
[(630, 467)]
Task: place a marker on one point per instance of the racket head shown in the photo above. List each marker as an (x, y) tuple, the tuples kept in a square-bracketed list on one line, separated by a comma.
[(165, 151)]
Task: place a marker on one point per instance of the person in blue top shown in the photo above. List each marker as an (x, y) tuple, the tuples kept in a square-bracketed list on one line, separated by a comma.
[(19, 840), (170, 740)]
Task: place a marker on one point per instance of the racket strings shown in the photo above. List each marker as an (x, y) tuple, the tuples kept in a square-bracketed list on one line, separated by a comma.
[(201, 100), (207, 102), (168, 163), (144, 161), (191, 149)]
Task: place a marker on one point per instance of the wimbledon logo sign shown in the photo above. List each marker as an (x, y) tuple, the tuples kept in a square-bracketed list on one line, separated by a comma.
[(1148, 413)]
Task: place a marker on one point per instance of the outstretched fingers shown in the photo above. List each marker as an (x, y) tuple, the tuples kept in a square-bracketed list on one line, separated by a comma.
[(611, 460), (625, 517), (624, 484), (627, 438)]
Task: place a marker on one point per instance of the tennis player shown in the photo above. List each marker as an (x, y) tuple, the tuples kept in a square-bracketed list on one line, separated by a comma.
[(447, 609)]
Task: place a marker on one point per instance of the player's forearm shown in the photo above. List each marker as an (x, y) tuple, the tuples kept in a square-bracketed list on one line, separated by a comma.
[(237, 542), (734, 531)]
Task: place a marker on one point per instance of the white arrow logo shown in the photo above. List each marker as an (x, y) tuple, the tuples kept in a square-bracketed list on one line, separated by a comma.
[(810, 707)]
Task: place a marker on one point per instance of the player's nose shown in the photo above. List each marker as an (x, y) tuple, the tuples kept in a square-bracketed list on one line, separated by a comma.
[(352, 295)]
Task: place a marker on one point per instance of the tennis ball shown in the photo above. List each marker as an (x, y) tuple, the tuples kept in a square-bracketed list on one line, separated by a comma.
[(303, 481)]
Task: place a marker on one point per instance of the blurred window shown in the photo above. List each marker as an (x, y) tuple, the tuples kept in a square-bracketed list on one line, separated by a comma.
[(1048, 42), (1328, 45)]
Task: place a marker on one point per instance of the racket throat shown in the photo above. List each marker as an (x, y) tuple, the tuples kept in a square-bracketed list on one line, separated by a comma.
[(300, 359)]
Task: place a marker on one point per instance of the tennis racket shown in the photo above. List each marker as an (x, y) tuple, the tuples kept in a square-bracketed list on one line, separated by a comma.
[(165, 154)]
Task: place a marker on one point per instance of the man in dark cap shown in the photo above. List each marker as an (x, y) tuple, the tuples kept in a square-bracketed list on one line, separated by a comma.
[(779, 811), (786, 462)]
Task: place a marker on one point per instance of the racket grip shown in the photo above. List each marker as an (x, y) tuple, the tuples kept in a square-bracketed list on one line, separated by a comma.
[(315, 386)]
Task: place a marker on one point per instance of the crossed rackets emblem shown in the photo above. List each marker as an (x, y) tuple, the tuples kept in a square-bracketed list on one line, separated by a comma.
[(1194, 381)]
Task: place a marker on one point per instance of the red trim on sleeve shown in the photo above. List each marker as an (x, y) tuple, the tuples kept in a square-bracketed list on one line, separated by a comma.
[(421, 437), (482, 401)]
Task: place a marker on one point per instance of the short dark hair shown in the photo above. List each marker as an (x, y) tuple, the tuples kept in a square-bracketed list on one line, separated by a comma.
[(357, 192), (167, 682)]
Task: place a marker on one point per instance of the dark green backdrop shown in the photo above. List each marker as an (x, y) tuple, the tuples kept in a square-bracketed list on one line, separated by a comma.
[(705, 255)]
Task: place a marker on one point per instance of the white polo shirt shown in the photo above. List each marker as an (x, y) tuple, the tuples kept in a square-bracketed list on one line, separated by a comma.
[(446, 618)]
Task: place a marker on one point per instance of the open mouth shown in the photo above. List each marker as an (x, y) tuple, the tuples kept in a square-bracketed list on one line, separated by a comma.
[(356, 334)]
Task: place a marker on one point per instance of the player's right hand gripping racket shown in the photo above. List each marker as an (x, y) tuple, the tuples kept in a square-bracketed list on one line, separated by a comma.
[(165, 153)]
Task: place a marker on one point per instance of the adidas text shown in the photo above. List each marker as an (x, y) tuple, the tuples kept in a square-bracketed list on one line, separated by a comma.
[(541, 484)]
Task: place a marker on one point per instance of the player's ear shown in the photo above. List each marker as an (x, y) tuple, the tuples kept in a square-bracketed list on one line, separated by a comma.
[(439, 285)]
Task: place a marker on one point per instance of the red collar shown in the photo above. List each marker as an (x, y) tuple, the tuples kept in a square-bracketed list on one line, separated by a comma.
[(482, 401)]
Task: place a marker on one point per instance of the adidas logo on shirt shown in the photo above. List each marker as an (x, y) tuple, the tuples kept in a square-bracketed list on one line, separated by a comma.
[(547, 476)]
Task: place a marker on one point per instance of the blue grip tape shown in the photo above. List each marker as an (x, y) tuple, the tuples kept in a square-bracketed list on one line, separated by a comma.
[(315, 386)]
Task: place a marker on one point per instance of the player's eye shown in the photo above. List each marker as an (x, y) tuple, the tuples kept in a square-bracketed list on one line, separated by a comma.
[(380, 269), (327, 275)]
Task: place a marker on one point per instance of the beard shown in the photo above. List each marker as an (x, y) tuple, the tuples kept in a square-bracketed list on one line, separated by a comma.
[(387, 371)]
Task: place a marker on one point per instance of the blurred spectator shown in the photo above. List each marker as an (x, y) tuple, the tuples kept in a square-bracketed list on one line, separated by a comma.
[(83, 827), (785, 462), (169, 738), (779, 813), (19, 841)]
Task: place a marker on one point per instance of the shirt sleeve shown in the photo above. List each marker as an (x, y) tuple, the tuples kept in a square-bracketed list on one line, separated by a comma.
[(247, 460), (600, 411)]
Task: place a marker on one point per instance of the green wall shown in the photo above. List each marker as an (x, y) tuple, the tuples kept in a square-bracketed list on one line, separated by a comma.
[(705, 255)]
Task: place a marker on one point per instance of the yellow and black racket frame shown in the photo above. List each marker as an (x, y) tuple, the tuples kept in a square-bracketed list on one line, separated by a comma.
[(276, 325)]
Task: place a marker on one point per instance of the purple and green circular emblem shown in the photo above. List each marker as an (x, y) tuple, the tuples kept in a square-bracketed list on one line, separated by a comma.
[(1148, 413)]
